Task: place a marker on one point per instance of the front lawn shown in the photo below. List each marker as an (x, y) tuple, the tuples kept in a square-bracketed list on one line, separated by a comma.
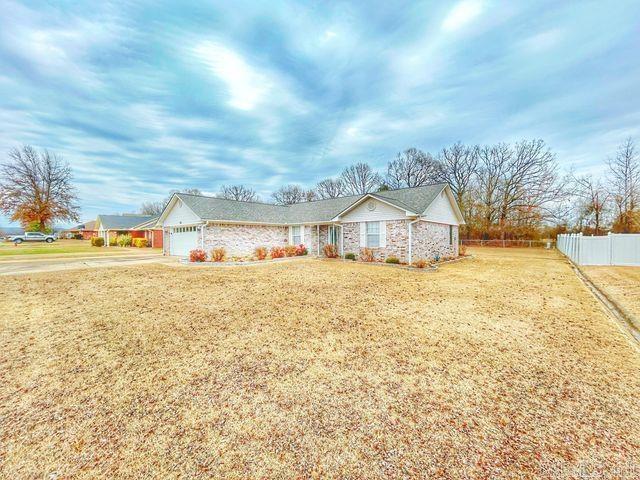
[(501, 366), (59, 247), (621, 284)]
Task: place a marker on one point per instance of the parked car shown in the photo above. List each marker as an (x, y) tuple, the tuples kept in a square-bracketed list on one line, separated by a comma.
[(33, 237)]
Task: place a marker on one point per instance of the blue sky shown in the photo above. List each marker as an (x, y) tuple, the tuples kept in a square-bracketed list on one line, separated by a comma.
[(147, 97)]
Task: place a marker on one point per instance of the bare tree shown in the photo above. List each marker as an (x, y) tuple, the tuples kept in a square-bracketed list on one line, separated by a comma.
[(360, 179), (530, 185), (593, 200), (289, 194), (152, 208), (624, 178), (492, 162), (37, 187), (156, 208), (460, 166), (330, 188), (413, 168), (239, 193)]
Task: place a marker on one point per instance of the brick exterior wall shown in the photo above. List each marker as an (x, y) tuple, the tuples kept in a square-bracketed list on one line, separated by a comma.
[(431, 239), (351, 237), (241, 240), (397, 240)]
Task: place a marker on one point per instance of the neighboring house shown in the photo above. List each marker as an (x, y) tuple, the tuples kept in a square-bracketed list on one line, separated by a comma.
[(86, 229), (409, 223), (138, 226)]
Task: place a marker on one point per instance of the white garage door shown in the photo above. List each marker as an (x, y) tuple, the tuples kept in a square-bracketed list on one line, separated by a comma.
[(183, 240)]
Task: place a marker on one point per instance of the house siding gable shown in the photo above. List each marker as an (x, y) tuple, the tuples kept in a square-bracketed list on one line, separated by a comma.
[(180, 214), (441, 211), (381, 211)]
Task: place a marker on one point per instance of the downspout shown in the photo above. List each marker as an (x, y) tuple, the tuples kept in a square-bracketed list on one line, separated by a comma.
[(411, 239)]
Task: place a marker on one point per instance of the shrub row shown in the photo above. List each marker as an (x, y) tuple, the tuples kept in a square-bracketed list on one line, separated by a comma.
[(220, 254)]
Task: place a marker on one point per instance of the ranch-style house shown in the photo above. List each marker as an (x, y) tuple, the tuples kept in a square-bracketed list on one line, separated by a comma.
[(408, 223)]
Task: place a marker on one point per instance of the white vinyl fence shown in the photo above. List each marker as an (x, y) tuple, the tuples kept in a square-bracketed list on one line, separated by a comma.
[(613, 249)]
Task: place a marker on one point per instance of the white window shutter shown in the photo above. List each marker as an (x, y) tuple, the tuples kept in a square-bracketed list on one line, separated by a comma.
[(363, 234), (290, 235), (302, 234), (383, 234)]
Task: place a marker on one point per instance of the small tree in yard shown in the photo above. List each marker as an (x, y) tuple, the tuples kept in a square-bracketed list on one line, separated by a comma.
[(36, 187)]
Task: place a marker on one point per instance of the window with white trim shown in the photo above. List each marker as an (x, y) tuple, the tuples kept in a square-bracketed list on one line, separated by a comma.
[(373, 234), (296, 238)]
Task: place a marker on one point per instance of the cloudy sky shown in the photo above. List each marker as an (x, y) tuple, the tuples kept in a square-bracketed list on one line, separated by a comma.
[(147, 97)]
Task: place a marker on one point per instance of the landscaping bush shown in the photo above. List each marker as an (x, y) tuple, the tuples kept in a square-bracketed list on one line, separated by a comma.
[(394, 260), (97, 242), (197, 255), (290, 250), (77, 236), (301, 250), (113, 241), (261, 253), (218, 254), (462, 250), (366, 255), (349, 256), (124, 240), (277, 252), (420, 263), (330, 251), (140, 242)]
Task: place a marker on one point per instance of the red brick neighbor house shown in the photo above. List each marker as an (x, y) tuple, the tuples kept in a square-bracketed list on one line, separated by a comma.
[(86, 229), (408, 224), (138, 226)]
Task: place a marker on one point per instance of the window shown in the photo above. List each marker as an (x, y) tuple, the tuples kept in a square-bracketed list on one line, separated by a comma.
[(296, 238), (184, 229), (450, 234), (373, 234), (333, 235), (34, 234)]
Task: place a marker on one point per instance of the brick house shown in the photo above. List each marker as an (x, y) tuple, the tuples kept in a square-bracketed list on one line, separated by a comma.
[(409, 224), (87, 230), (138, 226)]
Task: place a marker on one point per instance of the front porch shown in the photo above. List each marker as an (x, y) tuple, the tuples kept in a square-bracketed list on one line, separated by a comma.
[(316, 236)]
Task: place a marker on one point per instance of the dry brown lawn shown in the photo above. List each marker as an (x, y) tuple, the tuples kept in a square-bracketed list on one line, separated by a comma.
[(621, 284), (502, 366)]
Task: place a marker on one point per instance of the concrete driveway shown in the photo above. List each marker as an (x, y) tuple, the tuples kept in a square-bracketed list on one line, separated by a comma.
[(56, 264)]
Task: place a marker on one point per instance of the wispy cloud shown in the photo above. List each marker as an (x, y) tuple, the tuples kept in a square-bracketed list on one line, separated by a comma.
[(462, 14), (246, 86), (144, 100)]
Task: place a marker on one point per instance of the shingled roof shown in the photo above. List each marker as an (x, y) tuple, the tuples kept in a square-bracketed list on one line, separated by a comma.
[(122, 222), (414, 200)]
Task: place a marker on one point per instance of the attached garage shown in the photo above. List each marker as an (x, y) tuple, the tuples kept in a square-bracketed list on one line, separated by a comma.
[(182, 240)]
